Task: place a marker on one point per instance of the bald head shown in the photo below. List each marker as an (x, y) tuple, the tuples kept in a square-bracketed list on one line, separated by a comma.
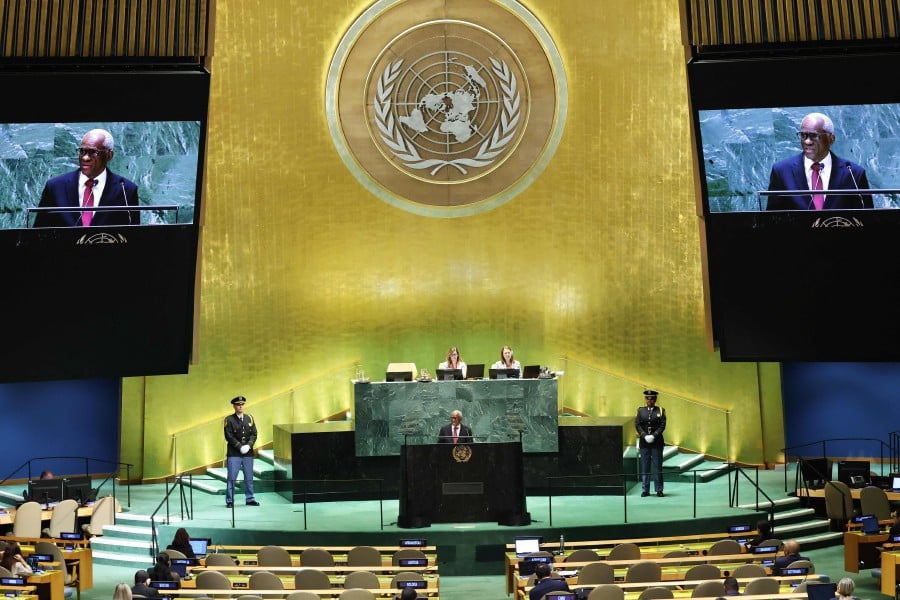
[(791, 547)]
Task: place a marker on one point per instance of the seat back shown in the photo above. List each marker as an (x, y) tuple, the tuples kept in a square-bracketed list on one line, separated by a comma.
[(357, 594), (874, 501), (405, 576), (219, 560), (582, 555), (595, 573), (725, 547), (273, 556), (802, 564), (366, 580), (643, 571), (762, 585), (311, 579), (63, 518), (749, 570), (264, 580), (709, 589), (104, 514), (174, 553), (625, 551), (701, 572), (607, 591), (302, 595), (316, 557), (838, 501), (71, 577), (28, 520), (212, 580), (4, 572), (364, 556), (656, 592)]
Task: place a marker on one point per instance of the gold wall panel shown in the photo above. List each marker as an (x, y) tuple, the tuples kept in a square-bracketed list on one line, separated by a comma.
[(305, 274)]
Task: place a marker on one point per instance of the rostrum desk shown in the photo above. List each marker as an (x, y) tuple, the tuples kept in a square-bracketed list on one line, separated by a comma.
[(448, 483)]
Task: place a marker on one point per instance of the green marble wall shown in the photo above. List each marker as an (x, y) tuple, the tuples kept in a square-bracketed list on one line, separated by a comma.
[(161, 157), (496, 410)]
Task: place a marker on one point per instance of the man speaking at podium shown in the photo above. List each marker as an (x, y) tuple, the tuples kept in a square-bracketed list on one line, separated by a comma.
[(91, 185), (455, 432), (816, 168)]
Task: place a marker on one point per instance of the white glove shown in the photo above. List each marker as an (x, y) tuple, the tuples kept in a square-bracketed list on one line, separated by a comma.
[(649, 438), (245, 449)]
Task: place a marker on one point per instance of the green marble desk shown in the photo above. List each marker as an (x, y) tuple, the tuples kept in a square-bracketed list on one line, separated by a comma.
[(387, 413)]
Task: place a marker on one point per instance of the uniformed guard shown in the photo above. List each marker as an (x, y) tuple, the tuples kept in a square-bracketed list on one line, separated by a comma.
[(650, 423), (240, 436)]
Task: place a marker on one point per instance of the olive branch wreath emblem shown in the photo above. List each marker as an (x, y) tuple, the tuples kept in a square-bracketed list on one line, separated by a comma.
[(406, 151)]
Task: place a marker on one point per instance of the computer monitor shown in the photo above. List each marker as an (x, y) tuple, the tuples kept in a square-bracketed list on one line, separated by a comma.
[(200, 546), (855, 473), (870, 525), (79, 489), (504, 373), (449, 374), (531, 372), (820, 591), (475, 371), (398, 376), (895, 481), (527, 544), (45, 491)]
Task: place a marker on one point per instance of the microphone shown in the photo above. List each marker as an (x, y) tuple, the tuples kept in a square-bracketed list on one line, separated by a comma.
[(862, 203), (125, 196)]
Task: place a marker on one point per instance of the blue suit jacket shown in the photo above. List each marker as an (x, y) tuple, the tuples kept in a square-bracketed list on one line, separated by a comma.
[(62, 191), (547, 585), (788, 174)]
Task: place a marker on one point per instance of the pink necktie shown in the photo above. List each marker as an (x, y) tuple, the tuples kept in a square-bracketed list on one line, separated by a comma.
[(455, 435), (818, 199), (87, 201)]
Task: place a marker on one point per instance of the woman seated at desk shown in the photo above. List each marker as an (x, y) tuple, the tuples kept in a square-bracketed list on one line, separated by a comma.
[(453, 361), (12, 560), (507, 360)]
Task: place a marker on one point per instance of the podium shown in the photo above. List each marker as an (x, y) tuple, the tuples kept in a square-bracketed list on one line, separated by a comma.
[(453, 483)]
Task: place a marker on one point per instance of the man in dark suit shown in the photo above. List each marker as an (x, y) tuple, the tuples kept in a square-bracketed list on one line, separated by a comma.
[(91, 185), (142, 587), (650, 423), (791, 553), (455, 432), (817, 168), (544, 583)]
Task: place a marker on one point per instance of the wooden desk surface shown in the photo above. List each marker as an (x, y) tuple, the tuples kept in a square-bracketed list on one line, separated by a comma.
[(242, 582), (786, 586), (337, 569), (8, 515), (339, 559), (330, 592), (803, 492)]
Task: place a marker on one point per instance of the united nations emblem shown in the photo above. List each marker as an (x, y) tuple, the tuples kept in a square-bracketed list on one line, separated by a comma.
[(462, 453), (446, 107)]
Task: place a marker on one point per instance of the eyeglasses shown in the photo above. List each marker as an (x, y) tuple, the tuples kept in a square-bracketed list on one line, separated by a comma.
[(92, 152), (811, 135)]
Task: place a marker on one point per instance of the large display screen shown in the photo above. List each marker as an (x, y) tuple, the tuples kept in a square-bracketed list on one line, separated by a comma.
[(115, 298), (788, 282)]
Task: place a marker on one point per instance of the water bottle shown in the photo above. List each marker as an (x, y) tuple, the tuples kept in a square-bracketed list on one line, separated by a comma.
[(562, 544)]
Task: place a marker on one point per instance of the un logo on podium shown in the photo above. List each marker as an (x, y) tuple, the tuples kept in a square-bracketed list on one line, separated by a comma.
[(446, 107)]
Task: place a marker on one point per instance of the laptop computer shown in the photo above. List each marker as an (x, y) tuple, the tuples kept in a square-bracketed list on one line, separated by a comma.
[(531, 372), (895, 482), (181, 565), (200, 546), (475, 371), (526, 545), (820, 591)]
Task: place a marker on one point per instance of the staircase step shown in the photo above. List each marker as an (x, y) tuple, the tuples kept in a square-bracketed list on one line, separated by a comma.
[(127, 531), (795, 530), (133, 560), (682, 462), (117, 546), (10, 498), (821, 540), (764, 504)]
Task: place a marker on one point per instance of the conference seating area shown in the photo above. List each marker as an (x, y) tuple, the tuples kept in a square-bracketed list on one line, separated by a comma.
[(303, 572), (691, 566)]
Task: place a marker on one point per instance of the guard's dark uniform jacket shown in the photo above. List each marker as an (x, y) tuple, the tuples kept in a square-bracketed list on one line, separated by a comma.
[(239, 432)]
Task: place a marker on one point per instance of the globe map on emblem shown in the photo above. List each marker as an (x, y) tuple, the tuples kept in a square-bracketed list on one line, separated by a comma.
[(432, 108)]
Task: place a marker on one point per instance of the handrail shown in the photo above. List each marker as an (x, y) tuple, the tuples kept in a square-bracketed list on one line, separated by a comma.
[(619, 481), (185, 504), (603, 380), (87, 471), (791, 452)]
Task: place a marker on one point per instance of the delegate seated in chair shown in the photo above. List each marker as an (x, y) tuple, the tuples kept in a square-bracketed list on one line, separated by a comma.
[(544, 583)]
